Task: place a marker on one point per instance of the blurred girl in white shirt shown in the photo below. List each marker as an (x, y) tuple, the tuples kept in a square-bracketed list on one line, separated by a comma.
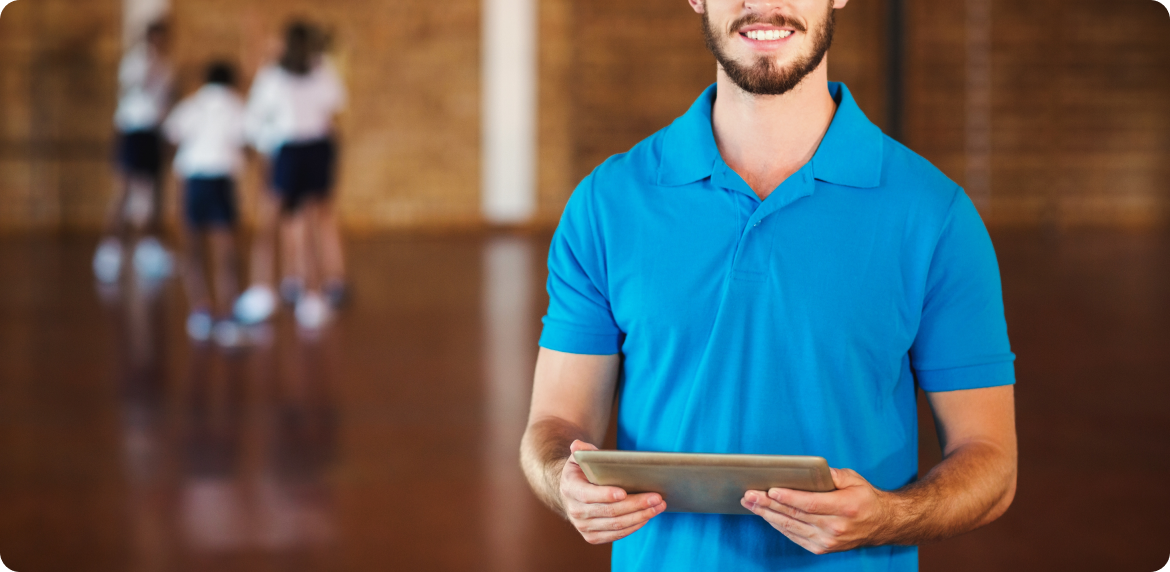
[(290, 119), (208, 128), (144, 94)]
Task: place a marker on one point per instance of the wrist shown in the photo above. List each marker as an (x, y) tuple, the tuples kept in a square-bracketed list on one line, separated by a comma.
[(899, 512)]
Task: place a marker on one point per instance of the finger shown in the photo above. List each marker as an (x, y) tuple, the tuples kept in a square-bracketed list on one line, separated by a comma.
[(604, 537), (576, 487), (636, 518), (764, 500), (791, 527), (631, 505), (805, 543), (811, 503)]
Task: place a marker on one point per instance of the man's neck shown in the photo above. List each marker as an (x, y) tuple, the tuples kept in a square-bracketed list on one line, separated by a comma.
[(765, 139)]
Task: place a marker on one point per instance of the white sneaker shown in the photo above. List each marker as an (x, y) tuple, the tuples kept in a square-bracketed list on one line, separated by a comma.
[(151, 260), (255, 305), (228, 334), (312, 311), (199, 325), (107, 261)]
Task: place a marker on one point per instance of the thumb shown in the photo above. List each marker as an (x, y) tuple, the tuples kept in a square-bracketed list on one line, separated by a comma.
[(579, 445), (843, 478)]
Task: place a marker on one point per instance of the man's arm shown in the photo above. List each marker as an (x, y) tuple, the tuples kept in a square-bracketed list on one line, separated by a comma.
[(572, 397), (972, 486)]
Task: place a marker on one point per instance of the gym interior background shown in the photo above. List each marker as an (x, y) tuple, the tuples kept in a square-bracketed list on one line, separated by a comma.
[(390, 440)]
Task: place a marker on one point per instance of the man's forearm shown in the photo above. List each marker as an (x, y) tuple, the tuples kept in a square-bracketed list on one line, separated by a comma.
[(973, 486), (543, 452)]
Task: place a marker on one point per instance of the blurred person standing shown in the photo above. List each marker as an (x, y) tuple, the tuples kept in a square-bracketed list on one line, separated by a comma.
[(145, 81), (208, 128), (290, 119)]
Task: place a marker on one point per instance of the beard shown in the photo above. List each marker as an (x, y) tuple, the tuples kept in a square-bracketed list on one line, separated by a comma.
[(763, 76)]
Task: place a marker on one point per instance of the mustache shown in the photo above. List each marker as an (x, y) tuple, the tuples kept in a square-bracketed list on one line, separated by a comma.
[(778, 20)]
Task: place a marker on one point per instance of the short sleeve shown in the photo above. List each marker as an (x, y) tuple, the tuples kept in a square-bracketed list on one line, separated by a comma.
[(262, 112), (178, 124), (579, 318), (962, 340)]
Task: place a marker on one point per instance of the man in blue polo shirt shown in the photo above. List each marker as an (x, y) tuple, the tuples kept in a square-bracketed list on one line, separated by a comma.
[(770, 274)]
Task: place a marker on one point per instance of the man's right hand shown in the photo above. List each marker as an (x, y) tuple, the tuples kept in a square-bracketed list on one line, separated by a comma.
[(603, 514)]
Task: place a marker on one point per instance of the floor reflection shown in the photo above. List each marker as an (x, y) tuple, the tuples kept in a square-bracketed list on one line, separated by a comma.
[(234, 456), (390, 441), (508, 361), (140, 332)]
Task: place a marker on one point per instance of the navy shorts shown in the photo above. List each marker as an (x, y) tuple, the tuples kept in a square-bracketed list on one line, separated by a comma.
[(210, 202), (302, 171), (140, 152)]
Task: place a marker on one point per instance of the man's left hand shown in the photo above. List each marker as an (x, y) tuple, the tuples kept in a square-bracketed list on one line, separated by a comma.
[(854, 515)]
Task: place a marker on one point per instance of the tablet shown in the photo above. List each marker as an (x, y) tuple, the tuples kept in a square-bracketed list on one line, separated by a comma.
[(707, 483)]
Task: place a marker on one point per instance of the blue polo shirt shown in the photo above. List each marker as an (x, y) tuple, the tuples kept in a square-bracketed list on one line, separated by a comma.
[(796, 325)]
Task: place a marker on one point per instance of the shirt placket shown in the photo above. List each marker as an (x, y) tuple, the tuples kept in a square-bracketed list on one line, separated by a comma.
[(754, 249)]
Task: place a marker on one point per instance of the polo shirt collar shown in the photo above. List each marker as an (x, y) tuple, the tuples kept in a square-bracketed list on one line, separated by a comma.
[(689, 152), (850, 153)]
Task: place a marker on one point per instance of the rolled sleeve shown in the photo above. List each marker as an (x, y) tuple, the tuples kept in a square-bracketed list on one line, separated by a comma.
[(970, 377), (579, 318), (962, 340)]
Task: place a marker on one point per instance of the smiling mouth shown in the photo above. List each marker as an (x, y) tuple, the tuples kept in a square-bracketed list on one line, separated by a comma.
[(766, 35)]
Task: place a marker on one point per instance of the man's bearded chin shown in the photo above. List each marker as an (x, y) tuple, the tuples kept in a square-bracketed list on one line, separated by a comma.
[(765, 77)]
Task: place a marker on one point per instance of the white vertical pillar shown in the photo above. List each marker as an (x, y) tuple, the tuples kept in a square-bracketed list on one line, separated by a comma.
[(509, 110)]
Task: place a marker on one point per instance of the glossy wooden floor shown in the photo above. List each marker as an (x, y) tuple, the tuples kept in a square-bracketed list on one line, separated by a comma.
[(389, 441)]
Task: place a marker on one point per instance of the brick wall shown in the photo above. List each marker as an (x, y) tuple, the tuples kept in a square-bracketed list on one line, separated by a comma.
[(58, 60), (1080, 108), (410, 154), (1079, 103)]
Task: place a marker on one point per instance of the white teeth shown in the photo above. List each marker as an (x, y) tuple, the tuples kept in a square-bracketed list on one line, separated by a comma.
[(768, 35)]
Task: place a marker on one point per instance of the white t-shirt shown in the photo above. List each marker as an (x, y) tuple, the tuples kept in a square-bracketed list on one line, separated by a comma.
[(288, 108), (208, 127), (144, 89)]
